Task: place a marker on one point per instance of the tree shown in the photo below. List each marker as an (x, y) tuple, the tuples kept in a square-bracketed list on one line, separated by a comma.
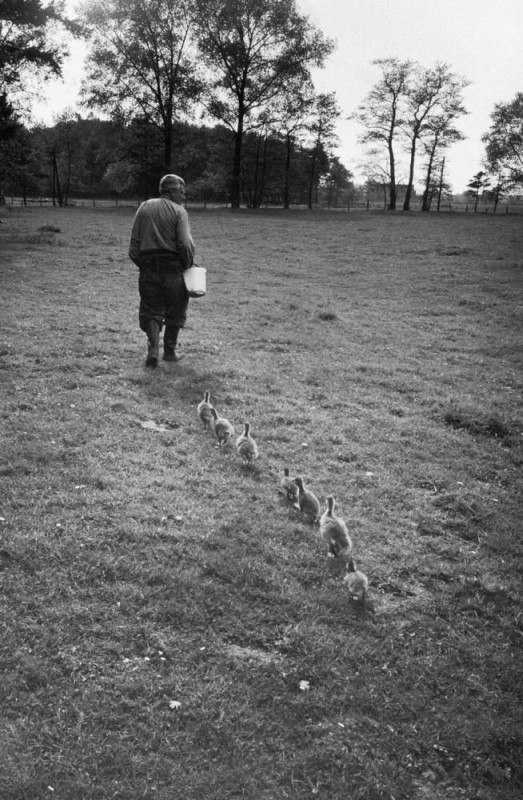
[(444, 188), (434, 100), (440, 135), (143, 143), (410, 104), (500, 188), (74, 155), (216, 159), (324, 114), (119, 176), (26, 44), (504, 140), (142, 63), (376, 169), (338, 179), (254, 48), (18, 160), (9, 120), (24, 29), (479, 183), (60, 149), (382, 113), (289, 116)]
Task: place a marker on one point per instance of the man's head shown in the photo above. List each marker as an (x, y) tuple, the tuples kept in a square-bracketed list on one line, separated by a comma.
[(174, 187)]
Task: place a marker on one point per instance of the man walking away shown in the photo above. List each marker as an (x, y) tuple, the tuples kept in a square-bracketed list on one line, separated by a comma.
[(162, 248)]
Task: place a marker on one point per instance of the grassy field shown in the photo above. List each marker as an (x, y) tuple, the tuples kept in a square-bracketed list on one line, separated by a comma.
[(170, 627)]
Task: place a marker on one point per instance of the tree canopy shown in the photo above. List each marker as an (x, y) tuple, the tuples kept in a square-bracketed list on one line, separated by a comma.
[(24, 32), (80, 158), (504, 140), (254, 49), (27, 43), (141, 63)]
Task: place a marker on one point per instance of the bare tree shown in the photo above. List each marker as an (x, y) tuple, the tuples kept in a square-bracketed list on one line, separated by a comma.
[(410, 103), (439, 135), (382, 113), (254, 48), (434, 100), (142, 62)]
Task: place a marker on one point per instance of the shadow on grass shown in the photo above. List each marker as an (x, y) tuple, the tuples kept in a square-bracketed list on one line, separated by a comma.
[(180, 381), (479, 424)]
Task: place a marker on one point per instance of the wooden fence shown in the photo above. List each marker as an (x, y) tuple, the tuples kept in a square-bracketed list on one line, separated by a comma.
[(457, 207)]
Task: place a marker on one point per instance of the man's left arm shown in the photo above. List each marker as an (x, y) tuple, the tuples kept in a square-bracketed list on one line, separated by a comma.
[(185, 240), (134, 246)]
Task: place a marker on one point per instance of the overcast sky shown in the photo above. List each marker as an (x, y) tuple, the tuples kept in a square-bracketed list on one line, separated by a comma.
[(481, 40)]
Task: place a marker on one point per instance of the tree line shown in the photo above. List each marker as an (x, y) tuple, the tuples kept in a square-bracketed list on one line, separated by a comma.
[(91, 158), (222, 92)]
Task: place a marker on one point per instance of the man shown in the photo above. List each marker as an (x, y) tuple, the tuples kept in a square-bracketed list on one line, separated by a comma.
[(162, 248)]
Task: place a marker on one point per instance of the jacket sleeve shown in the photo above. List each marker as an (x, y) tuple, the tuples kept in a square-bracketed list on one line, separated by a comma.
[(185, 240), (134, 246)]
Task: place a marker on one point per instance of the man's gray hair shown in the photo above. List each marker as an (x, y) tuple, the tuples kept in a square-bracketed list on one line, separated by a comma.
[(170, 182)]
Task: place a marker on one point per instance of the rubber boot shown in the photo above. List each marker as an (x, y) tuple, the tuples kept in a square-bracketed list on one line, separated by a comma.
[(153, 336), (170, 339)]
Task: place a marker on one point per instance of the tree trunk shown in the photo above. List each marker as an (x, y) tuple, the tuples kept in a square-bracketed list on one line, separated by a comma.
[(440, 187), (53, 181), (67, 189), (425, 203), (57, 192), (286, 185), (237, 164), (167, 145), (392, 191), (311, 177), (497, 194), (263, 174), (408, 193), (256, 193)]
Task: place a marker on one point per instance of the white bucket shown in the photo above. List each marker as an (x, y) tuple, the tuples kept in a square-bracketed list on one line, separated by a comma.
[(195, 281)]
